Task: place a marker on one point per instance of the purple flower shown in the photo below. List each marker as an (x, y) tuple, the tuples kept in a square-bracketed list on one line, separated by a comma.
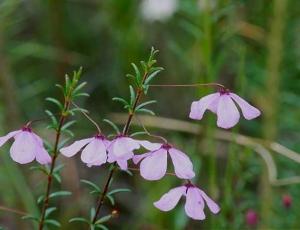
[(26, 147), (223, 104), (251, 218), (93, 150), (121, 149), (195, 201), (154, 163), (287, 201)]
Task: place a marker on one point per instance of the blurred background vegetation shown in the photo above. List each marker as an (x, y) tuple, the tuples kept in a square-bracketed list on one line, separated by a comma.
[(251, 46)]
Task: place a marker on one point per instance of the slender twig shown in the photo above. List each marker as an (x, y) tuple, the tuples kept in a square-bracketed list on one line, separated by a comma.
[(88, 117), (101, 199), (191, 85), (54, 157), (13, 210)]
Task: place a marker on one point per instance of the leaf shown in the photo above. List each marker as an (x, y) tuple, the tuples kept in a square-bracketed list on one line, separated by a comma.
[(145, 104), (152, 75), (79, 87), (132, 95), (111, 199), (79, 219), (57, 177), (148, 111), (58, 168), (30, 217), (40, 168), (49, 211), (91, 184), (56, 102), (137, 74), (92, 213), (103, 219), (101, 226), (67, 125), (52, 222), (113, 125), (40, 199), (138, 133), (53, 118), (118, 191), (60, 193), (119, 99)]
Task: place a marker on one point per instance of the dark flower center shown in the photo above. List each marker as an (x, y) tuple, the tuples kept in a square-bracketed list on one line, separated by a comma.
[(100, 136), (223, 91), (26, 129), (166, 146)]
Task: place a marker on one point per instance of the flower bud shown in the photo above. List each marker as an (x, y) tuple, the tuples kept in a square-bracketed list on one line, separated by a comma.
[(286, 200), (251, 218)]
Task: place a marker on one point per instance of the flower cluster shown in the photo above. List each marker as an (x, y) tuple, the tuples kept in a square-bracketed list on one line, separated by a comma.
[(98, 150)]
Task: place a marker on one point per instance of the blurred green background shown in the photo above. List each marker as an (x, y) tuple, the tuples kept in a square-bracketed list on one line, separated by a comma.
[(251, 46)]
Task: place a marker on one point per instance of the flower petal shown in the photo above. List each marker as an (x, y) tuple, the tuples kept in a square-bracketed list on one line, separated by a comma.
[(123, 146), (228, 114), (169, 200), (213, 206), (198, 108), (123, 164), (94, 153), (23, 149), (154, 167), (8, 136), (194, 206), (74, 148), (182, 164), (137, 158), (150, 146), (42, 156), (249, 111)]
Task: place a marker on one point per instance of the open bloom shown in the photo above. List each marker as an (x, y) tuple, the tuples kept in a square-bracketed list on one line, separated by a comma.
[(121, 149), (195, 201), (223, 104), (26, 147), (154, 163), (93, 150)]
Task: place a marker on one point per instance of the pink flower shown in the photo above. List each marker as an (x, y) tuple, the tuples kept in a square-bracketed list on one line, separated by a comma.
[(251, 218), (93, 150), (26, 147), (195, 201), (223, 104), (121, 149), (287, 200), (154, 163)]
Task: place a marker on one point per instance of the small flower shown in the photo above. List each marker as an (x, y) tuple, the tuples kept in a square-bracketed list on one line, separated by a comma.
[(26, 147), (93, 150), (157, 10), (121, 149), (251, 218), (223, 104), (287, 201), (154, 163), (195, 201)]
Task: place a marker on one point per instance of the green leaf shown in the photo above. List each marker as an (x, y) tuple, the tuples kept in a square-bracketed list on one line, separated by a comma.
[(79, 87), (52, 117), (56, 102), (118, 191), (101, 226), (92, 213), (138, 77), (68, 124), (49, 211), (52, 222), (57, 177), (30, 217), (91, 184), (58, 168), (145, 104), (132, 95), (138, 133), (148, 111), (40, 199), (79, 219), (111, 199), (113, 125), (103, 219), (60, 193), (152, 75), (119, 99), (40, 168)]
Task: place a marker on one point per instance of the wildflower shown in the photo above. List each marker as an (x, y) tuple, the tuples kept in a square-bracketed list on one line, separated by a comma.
[(195, 201), (26, 147), (157, 10), (251, 218), (154, 164), (93, 150), (223, 104), (287, 201), (121, 149)]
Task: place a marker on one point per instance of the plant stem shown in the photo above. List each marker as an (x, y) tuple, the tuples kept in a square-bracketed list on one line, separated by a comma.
[(192, 85), (100, 202), (54, 157)]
